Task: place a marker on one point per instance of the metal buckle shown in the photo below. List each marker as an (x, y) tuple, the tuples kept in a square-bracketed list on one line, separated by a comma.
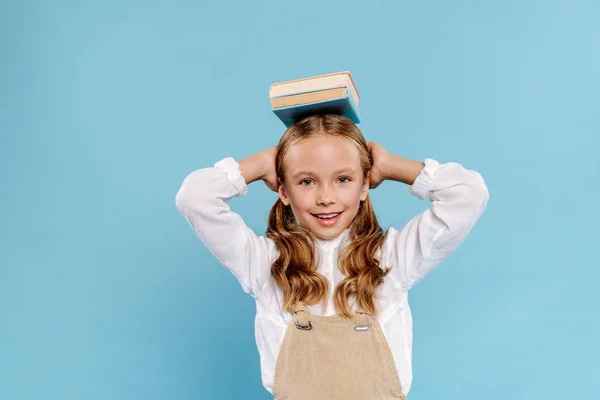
[(363, 328), (305, 327)]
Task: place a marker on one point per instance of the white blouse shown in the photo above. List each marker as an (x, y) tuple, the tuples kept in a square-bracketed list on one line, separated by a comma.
[(458, 198)]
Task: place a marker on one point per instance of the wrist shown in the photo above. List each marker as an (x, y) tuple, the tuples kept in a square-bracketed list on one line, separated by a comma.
[(263, 164), (268, 161), (251, 168), (401, 169), (386, 168)]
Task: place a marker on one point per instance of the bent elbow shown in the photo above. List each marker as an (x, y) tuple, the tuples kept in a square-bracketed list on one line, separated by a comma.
[(180, 199), (184, 194), (188, 190), (479, 192)]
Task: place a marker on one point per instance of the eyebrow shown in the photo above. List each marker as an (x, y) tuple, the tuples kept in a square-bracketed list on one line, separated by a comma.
[(338, 172)]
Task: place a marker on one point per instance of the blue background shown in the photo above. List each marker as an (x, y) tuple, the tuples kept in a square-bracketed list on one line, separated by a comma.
[(105, 107)]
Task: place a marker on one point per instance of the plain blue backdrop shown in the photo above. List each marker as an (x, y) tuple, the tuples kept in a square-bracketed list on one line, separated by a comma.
[(106, 106)]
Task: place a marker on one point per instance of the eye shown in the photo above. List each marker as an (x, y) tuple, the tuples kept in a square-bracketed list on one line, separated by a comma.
[(346, 179), (303, 182)]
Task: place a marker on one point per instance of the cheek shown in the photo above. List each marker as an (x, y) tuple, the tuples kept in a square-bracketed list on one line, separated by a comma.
[(354, 194), (299, 199)]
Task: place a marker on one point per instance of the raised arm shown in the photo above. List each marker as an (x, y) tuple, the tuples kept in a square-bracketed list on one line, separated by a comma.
[(202, 200), (458, 198)]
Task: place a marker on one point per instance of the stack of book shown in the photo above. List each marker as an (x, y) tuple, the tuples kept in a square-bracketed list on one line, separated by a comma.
[(333, 93)]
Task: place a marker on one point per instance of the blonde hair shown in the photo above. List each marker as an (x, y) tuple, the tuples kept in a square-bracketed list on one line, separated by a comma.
[(295, 270)]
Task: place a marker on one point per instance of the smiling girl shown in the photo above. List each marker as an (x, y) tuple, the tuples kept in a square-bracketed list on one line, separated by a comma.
[(331, 287)]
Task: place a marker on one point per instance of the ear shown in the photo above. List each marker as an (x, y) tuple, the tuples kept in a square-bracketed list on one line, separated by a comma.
[(365, 189), (282, 193)]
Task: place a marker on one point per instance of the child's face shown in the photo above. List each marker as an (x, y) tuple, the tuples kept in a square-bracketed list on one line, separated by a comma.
[(323, 175)]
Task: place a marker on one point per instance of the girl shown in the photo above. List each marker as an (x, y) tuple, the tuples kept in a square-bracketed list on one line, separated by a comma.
[(331, 288)]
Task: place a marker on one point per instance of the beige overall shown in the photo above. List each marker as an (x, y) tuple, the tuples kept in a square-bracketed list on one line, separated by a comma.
[(332, 357)]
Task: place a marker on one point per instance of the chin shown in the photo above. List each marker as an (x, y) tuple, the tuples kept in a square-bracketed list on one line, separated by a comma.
[(328, 233), (326, 236)]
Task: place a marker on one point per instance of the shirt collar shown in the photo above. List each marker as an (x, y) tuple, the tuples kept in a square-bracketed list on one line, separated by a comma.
[(335, 242)]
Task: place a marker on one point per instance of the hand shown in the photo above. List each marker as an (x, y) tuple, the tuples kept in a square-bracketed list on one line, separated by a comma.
[(380, 156), (270, 175), (260, 166)]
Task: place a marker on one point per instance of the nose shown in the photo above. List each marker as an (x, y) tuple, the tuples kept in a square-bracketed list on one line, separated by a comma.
[(326, 195)]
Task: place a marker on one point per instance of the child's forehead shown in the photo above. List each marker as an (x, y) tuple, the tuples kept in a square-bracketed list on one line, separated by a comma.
[(322, 146), (322, 154)]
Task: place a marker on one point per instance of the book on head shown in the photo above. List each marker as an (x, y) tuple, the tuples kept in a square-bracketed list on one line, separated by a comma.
[(333, 93)]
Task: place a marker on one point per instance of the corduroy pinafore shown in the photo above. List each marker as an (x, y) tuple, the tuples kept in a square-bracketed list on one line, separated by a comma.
[(332, 357)]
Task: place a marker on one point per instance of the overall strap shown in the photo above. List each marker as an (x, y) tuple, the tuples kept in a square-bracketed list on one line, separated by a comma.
[(361, 320), (301, 316)]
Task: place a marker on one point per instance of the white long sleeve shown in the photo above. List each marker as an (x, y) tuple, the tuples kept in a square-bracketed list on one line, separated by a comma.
[(459, 197), (202, 200)]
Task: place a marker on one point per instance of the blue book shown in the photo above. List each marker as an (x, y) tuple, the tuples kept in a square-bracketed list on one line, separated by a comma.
[(344, 105)]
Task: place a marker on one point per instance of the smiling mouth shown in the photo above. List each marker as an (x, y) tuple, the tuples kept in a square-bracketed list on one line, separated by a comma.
[(326, 216)]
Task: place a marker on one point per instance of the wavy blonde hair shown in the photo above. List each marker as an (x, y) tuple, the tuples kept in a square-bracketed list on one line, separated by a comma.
[(295, 270)]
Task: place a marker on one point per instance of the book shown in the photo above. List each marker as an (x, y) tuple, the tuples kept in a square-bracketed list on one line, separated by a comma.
[(303, 85), (343, 105), (309, 97), (333, 93)]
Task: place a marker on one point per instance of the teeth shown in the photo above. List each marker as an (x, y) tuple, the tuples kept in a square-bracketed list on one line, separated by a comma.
[(326, 216)]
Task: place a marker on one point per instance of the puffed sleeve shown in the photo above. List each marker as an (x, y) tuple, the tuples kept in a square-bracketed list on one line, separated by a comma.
[(458, 198), (202, 200)]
